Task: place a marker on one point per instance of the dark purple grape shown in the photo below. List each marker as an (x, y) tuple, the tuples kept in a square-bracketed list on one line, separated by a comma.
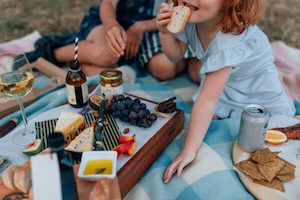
[(147, 112), (125, 112), (152, 117), (124, 119), (139, 122), (118, 114), (145, 124), (128, 99), (114, 114), (142, 106), (141, 114), (136, 107), (121, 106), (120, 97), (136, 101), (149, 123), (128, 103), (114, 107), (132, 115)]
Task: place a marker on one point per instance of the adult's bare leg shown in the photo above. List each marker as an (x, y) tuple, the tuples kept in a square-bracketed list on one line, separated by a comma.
[(163, 69), (93, 50)]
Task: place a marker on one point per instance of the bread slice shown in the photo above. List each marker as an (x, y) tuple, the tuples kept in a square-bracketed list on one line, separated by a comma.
[(83, 142), (101, 190), (68, 122), (8, 177), (179, 18), (22, 178)]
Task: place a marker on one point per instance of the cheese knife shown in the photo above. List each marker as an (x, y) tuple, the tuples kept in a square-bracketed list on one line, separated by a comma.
[(99, 128)]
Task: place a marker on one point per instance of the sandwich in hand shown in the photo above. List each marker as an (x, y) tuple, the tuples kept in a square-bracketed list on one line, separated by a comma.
[(179, 18)]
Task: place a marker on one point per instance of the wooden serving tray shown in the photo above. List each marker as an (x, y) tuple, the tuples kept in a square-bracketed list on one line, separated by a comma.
[(57, 76), (130, 173), (84, 189), (259, 191)]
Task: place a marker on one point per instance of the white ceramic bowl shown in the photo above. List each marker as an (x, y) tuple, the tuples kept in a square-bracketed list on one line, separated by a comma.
[(97, 155)]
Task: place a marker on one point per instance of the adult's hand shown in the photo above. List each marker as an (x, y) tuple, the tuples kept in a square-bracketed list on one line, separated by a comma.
[(116, 40), (134, 38), (184, 158)]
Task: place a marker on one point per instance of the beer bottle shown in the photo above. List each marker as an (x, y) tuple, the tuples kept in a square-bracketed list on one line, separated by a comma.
[(68, 184), (77, 87)]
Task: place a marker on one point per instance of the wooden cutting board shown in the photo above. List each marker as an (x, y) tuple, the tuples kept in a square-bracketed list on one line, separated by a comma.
[(84, 189), (259, 191)]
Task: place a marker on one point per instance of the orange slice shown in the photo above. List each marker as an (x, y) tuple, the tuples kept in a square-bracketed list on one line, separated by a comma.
[(275, 137)]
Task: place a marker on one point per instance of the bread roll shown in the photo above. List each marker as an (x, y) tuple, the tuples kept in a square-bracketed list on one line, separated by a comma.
[(8, 177), (22, 178), (179, 18), (101, 190)]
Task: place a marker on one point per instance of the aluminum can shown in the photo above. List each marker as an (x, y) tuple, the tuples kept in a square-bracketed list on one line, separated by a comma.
[(253, 127)]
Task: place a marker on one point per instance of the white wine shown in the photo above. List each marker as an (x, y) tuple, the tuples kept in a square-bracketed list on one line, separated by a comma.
[(77, 87), (16, 84)]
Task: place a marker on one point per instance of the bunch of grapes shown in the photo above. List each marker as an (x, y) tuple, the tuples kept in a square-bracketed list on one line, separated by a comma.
[(130, 110)]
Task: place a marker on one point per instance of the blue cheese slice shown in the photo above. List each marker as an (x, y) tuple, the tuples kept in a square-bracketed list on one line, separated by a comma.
[(83, 142)]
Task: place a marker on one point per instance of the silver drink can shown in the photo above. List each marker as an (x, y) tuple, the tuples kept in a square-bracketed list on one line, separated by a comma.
[(253, 127)]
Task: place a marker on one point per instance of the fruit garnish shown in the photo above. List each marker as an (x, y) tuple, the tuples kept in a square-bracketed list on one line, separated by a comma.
[(275, 137), (127, 145), (33, 148), (95, 101)]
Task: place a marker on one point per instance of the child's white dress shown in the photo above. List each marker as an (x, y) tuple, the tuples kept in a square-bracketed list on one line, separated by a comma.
[(254, 78)]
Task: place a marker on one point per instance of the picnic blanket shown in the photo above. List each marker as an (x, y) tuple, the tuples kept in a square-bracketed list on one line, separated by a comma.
[(210, 176)]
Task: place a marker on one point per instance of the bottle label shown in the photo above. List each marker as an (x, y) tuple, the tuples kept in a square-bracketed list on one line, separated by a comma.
[(72, 95), (109, 91)]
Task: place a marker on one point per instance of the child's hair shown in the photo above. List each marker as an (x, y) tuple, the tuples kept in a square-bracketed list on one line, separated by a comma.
[(238, 15)]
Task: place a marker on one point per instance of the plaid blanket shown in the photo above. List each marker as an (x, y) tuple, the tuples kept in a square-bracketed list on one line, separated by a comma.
[(210, 176)]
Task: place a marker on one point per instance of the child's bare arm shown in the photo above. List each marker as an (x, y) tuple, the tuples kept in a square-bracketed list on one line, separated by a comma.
[(201, 116), (204, 107), (173, 48)]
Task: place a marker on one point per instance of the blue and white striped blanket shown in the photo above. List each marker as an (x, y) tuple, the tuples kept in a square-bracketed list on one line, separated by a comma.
[(210, 176)]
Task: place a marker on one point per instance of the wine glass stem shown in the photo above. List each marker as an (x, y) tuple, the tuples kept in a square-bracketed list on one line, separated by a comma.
[(23, 113)]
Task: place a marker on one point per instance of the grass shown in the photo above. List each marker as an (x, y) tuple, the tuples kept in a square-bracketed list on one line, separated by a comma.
[(280, 21)]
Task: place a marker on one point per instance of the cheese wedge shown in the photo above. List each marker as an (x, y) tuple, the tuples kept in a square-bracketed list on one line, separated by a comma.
[(83, 142), (68, 123)]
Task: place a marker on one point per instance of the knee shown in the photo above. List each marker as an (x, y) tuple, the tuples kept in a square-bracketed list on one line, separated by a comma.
[(162, 68), (162, 71), (103, 57)]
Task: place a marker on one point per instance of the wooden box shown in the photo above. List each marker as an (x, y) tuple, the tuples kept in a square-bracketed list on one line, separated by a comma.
[(130, 173)]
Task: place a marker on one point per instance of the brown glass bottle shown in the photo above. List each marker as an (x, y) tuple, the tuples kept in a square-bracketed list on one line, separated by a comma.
[(77, 87)]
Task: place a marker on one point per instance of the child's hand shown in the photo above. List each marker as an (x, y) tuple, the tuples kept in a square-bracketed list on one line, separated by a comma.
[(183, 159), (163, 17), (116, 40)]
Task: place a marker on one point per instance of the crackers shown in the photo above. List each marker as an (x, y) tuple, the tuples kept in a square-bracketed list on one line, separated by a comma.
[(267, 168)]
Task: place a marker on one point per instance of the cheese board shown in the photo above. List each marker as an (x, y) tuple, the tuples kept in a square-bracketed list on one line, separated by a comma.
[(288, 151)]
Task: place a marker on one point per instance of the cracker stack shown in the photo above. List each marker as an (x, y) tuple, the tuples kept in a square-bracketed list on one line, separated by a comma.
[(266, 168)]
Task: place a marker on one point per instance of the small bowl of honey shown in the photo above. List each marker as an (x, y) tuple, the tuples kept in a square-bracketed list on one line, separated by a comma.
[(98, 164)]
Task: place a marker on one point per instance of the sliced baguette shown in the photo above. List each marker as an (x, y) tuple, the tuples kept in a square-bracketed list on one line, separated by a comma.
[(22, 178), (179, 18), (8, 177), (68, 123)]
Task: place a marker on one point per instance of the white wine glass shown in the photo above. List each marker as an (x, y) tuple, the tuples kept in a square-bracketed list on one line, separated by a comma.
[(17, 84)]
